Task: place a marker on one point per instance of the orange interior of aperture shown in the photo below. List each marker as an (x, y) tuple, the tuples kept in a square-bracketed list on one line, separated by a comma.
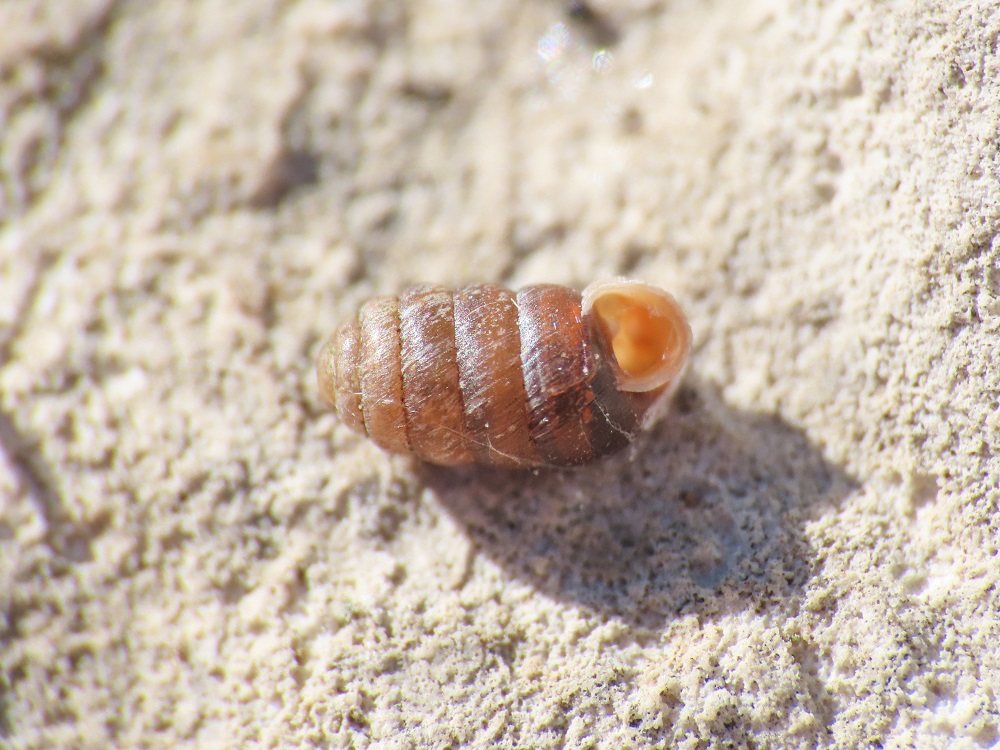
[(641, 336)]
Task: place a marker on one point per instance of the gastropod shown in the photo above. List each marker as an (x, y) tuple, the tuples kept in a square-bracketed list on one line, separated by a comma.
[(545, 376)]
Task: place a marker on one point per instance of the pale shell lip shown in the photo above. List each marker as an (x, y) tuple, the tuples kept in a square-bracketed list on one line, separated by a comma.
[(668, 374)]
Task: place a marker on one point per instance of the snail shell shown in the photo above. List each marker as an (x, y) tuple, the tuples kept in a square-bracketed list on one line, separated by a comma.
[(541, 377)]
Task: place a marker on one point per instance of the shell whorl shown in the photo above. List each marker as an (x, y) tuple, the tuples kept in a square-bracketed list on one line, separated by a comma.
[(521, 379)]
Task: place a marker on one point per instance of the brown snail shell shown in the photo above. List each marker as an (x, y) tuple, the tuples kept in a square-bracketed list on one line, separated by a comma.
[(541, 377)]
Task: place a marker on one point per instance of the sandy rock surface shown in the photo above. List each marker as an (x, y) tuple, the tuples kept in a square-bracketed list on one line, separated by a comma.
[(194, 553)]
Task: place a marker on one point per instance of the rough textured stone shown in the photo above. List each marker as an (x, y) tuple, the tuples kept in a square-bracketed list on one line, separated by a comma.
[(194, 554)]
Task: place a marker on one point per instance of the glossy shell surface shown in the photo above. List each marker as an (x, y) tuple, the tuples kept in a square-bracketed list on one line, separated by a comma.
[(540, 377)]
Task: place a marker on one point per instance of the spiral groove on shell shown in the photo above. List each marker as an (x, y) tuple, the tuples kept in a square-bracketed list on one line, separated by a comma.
[(541, 377)]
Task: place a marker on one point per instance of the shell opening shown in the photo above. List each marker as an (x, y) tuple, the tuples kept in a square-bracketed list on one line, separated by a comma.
[(643, 329)]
